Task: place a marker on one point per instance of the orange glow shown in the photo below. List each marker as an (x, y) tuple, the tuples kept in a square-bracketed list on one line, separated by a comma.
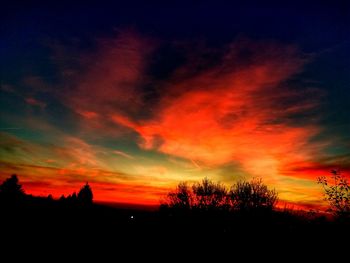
[(300, 206), (42, 181)]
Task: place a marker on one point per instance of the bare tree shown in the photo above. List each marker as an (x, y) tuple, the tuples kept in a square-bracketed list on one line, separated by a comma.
[(337, 193), (180, 198), (253, 195), (209, 195), (203, 196)]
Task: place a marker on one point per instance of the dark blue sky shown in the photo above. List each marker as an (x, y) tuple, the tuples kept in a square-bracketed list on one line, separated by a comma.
[(320, 29), (312, 24)]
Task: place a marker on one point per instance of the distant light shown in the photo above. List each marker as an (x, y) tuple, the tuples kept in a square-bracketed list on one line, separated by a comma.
[(131, 217)]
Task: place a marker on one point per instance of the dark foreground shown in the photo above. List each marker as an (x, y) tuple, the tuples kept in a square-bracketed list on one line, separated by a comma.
[(43, 226)]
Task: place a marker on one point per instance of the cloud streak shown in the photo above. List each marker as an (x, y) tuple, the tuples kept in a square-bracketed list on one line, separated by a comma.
[(125, 155), (35, 102)]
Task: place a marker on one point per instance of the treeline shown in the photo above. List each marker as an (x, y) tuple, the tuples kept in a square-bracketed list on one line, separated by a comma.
[(207, 196), (12, 194), (250, 196)]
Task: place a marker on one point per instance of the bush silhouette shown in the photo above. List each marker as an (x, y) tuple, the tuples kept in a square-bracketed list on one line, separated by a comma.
[(337, 193), (252, 196), (11, 190), (85, 195)]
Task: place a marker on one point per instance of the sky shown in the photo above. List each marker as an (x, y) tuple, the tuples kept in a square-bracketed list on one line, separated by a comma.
[(136, 96)]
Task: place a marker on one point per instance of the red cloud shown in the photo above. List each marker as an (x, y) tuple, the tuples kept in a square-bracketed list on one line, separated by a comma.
[(234, 112), (312, 170)]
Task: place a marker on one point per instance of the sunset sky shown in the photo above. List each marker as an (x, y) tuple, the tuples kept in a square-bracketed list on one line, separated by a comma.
[(136, 97)]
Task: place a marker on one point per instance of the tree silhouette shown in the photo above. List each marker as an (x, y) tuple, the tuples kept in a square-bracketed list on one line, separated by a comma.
[(209, 195), (337, 193), (62, 198), (85, 195), (181, 198), (11, 190), (253, 196), (203, 196)]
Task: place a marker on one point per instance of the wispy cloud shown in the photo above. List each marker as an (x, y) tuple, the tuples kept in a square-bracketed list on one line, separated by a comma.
[(35, 102), (121, 153)]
